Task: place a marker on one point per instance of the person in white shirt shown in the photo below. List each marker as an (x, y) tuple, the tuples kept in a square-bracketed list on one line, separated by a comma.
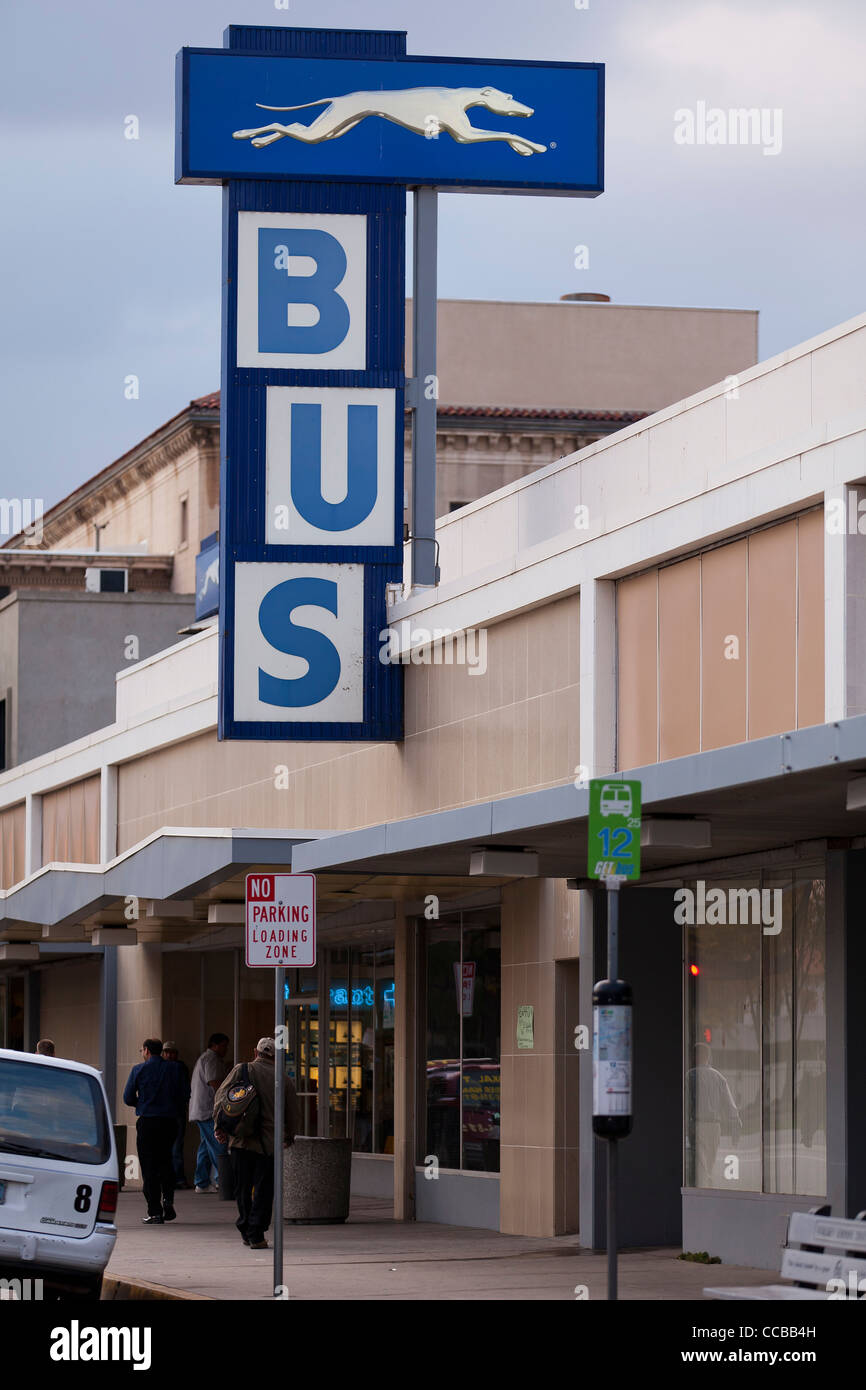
[(207, 1077), (713, 1112)]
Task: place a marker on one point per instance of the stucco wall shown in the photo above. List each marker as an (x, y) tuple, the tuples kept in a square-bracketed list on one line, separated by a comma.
[(75, 644), (149, 512), (468, 738), (69, 1008), (587, 356), (723, 647)]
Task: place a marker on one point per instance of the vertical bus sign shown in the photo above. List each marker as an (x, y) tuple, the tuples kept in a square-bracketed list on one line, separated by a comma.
[(613, 841), (316, 135)]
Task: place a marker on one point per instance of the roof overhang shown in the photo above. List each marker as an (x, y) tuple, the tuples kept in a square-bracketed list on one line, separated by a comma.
[(183, 885), (758, 797), (174, 864)]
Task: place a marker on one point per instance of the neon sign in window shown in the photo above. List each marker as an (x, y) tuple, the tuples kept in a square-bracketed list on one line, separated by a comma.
[(363, 996)]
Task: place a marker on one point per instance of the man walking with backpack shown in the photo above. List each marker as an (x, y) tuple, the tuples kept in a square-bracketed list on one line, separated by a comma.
[(245, 1102)]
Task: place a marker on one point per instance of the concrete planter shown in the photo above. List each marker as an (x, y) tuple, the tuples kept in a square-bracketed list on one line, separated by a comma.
[(317, 1176)]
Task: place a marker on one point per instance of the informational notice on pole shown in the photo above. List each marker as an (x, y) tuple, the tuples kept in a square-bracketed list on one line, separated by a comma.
[(281, 920), (611, 1060), (613, 842)]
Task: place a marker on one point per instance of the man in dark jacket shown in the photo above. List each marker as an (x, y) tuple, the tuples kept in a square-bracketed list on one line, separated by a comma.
[(170, 1053), (252, 1158), (155, 1088)]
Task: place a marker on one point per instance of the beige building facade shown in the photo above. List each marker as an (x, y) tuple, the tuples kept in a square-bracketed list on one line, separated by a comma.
[(520, 385), (680, 602)]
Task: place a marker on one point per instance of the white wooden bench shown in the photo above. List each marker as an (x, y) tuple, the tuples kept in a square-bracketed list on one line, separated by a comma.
[(819, 1247)]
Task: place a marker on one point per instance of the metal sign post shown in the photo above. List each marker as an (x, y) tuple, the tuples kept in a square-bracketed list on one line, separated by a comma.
[(279, 1091), (613, 854), (280, 912), (424, 393)]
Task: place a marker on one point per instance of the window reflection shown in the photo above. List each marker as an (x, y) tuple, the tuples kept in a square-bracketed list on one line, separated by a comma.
[(463, 1042), (755, 1067), (373, 1023), (362, 1006)]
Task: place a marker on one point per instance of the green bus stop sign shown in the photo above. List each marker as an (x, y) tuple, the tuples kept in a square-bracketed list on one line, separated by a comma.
[(613, 849)]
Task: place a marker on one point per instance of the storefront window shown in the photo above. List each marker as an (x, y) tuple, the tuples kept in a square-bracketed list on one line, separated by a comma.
[(463, 1042), (338, 1042), (361, 995), (302, 1056), (443, 1045), (755, 1070), (373, 1018)]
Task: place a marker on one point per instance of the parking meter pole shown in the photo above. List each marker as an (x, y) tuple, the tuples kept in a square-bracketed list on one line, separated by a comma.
[(613, 858), (612, 1156), (279, 1089), (612, 885)]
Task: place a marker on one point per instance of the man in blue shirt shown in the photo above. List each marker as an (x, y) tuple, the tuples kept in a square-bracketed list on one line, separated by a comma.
[(156, 1089)]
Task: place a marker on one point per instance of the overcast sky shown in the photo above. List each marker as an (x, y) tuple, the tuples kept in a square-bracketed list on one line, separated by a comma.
[(110, 270)]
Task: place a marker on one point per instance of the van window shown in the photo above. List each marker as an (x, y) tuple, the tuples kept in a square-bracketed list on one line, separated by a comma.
[(48, 1112)]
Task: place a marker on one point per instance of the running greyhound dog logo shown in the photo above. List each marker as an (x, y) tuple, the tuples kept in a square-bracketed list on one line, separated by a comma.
[(210, 578), (423, 110)]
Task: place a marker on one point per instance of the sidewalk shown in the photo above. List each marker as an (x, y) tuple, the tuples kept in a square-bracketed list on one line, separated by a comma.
[(374, 1257)]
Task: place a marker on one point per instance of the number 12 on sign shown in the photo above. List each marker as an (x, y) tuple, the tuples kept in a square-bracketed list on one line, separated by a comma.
[(613, 848)]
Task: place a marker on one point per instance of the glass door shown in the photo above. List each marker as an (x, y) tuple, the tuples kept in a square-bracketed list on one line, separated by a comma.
[(302, 1058)]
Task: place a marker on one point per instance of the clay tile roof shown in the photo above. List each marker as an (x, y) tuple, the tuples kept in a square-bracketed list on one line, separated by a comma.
[(497, 412), (507, 412)]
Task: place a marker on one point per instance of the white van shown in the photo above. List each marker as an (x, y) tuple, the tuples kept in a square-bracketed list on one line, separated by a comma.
[(58, 1174)]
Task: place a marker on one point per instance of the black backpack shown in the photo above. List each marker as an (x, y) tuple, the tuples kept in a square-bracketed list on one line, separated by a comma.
[(239, 1114)]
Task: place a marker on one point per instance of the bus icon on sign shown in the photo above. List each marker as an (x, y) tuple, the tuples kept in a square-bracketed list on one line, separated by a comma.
[(615, 800)]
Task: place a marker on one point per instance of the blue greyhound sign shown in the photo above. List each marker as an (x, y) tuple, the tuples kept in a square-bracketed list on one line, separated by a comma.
[(315, 136)]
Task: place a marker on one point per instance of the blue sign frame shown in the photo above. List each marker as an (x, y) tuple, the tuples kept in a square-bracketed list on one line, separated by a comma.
[(243, 448), (336, 199), (547, 138)]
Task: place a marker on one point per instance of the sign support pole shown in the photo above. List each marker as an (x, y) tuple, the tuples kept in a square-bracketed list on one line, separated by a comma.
[(279, 1091), (612, 887), (615, 821), (425, 390)]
